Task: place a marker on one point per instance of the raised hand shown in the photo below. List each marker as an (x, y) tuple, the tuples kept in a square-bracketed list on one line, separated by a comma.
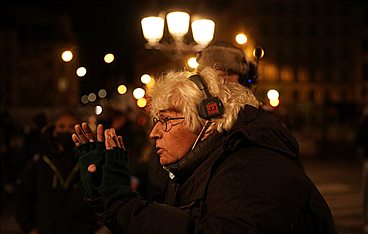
[(112, 140), (91, 156), (84, 134)]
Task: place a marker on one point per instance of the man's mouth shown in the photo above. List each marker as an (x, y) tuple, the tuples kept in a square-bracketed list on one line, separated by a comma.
[(159, 150)]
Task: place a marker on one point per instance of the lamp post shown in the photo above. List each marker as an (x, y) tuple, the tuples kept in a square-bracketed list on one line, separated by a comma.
[(178, 27)]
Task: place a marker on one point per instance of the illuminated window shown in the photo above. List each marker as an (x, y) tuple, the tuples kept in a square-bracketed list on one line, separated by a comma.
[(287, 74), (302, 75), (271, 72)]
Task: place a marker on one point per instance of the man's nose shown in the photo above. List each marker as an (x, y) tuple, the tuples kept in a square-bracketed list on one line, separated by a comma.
[(154, 134)]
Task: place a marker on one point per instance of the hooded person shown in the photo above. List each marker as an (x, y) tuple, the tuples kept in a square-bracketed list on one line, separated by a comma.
[(233, 167)]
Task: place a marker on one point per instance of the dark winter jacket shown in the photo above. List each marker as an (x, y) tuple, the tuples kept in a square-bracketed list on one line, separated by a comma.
[(246, 180), (50, 197)]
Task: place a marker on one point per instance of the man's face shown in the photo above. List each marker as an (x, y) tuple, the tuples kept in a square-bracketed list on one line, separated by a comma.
[(173, 142)]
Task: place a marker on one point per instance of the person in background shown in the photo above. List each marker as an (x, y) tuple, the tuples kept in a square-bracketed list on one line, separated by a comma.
[(231, 61), (49, 196), (33, 137), (233, 168)]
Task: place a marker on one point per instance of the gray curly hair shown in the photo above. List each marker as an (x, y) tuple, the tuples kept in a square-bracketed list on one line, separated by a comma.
[(174, 91)]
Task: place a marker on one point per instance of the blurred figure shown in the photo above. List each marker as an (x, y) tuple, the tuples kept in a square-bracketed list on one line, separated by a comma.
[(32, 137), (362, 141), (12, 156), (49, 197), (232, 61)]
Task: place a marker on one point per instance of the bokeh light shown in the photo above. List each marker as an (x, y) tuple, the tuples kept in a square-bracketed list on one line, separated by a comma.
[(92, 97), (98, 110), (67, 56), (272, 94), (81, 71), (150, 85), (141, 102), (84, 99), (241, 38), (102, 93), (145, 78), (109, 58), (122, 89), (274, 102), (138, 93), (62, 84), (192, 62)]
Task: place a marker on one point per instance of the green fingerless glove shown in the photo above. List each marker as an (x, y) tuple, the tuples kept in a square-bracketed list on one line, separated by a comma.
[(115, 178), (91, 153)]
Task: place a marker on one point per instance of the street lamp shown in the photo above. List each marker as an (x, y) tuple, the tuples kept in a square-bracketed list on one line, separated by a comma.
[(178, 27)]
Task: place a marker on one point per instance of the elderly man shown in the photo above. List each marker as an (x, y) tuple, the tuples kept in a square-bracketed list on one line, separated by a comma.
[(233, 167)]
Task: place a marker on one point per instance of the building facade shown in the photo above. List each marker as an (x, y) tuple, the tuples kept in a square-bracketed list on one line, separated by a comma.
[(33, 76)]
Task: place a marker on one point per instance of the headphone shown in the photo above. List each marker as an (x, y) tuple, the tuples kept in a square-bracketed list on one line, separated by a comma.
[(210, 107), (251, 77)]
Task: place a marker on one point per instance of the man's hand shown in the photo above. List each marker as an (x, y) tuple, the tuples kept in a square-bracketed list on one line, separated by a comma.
[(112, 140), (84, 134), (91, 156)]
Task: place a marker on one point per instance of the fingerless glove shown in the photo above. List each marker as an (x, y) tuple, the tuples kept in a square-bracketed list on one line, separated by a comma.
[(91, 153), (115, 183)]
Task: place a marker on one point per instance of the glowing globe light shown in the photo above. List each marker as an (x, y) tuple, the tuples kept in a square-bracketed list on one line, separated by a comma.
[(272, 94), (274, 102), (138, 93), (98, 110), (192, 62), (84, 99), (241, 39), (153, 29), (178, 23), (109, 58), (82, 71), (203, 31), (92, 97), (67, 56), (102, 93), (122, 89), (146, 78), (141, 102)]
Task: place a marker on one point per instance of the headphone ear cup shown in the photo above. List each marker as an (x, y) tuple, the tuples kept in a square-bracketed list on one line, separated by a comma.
[(211, 107), (250, 78), (202, 111), (243, 79)]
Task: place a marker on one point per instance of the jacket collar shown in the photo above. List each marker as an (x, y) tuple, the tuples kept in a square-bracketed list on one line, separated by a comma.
[(191, 161)]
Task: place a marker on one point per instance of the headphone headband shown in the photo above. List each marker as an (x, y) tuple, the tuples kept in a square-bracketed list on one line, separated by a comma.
[(198, 80)]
